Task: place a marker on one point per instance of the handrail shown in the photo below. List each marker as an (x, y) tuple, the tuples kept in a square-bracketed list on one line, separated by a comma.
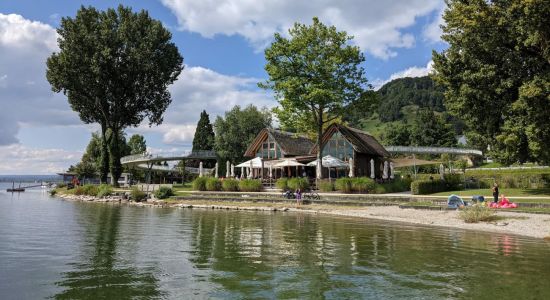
[(147, 157), (432, 150)]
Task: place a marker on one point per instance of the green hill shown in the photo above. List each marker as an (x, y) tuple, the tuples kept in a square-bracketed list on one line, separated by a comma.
[(400, 99)]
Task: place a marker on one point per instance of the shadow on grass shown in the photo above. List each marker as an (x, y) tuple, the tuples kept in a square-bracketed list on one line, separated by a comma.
[(540, 191)]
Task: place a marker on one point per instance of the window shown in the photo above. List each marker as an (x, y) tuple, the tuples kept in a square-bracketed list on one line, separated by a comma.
[(339, 147), (269, 150)]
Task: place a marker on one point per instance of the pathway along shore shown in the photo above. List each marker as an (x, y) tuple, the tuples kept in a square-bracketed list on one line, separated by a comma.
[(525, 224)]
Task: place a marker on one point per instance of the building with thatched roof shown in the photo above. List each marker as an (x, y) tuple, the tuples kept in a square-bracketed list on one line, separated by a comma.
[(340, 141)]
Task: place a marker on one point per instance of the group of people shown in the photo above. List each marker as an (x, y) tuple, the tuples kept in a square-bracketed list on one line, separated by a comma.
[(503, 203)]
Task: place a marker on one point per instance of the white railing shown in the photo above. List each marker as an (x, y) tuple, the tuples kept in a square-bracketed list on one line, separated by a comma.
[(432, 150), (146, 157)]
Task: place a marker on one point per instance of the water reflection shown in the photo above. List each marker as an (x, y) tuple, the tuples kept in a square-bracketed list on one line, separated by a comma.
[(303, 256), (99, 274)]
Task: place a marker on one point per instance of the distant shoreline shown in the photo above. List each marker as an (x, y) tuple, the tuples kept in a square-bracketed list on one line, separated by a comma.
[(524, 224)]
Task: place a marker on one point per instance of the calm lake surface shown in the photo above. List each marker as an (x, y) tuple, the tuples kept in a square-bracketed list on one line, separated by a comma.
[(50, 248)]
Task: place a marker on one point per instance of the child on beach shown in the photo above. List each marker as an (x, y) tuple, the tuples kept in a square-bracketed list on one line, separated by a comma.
[(298, 196)]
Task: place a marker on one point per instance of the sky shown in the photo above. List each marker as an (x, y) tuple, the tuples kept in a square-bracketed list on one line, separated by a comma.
[(222, 43)]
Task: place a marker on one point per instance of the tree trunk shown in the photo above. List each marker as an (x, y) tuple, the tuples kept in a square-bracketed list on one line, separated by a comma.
[(104, 164), (319, 145), (114, 155)]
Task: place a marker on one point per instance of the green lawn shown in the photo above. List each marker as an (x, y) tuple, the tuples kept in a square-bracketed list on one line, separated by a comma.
[(186, 187), (544, 192)]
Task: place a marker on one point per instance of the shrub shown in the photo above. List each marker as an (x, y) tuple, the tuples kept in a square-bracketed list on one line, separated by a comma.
[(163, 192), (104, 190), (362, 184), (326, 186), (423, 187), (454, 181), (343, 185), (230, 185), (137, 195), (397, 185), (199, 184), (53, 192), (90, 189), (298, 183), (477, 213), (282, 183), (79, 191), (213, 184), (250, 185), (61, 185)]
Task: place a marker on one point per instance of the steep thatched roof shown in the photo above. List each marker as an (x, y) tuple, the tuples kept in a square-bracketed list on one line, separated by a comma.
[(291, 144), (361, 141)]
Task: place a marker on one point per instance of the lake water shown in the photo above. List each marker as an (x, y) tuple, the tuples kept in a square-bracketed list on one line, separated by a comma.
[(50, 248)]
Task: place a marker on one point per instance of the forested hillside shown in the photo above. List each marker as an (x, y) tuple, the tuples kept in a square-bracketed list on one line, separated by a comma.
[(398, 93), (401, 102)]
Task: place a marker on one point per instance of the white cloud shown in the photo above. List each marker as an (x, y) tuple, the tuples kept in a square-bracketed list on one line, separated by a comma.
[(376, 25), (19, 159), (409, 72), (26, 97), (432, 32), (199, 89)]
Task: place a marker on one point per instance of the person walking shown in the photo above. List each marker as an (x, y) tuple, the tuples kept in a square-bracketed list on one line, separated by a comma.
[(298, 196), (495, 192)]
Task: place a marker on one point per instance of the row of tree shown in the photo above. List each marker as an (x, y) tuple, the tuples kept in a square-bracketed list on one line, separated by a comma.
[(91, 162)]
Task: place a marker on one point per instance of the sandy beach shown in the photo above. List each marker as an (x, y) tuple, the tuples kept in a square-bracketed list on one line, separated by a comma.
[(526, 224)]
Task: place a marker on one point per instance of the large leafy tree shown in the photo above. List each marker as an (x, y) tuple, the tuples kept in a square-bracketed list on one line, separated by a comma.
[(430, 129), (316, 75), (137, 144), (496, 72), (114, 66), (236, 130)]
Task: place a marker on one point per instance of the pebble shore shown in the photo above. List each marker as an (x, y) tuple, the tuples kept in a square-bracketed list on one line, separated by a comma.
[(525, 224)]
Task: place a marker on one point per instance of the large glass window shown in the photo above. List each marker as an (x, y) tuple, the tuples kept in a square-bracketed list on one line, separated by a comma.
[(269, 150), (338, 147)]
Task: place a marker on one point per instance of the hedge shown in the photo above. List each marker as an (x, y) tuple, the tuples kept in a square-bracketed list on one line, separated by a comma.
[(137, 195), (423, 187), (343, 185), (250, 185), (213, 184), (230, 185), (104, 190), (282, 183), (326, 186), (362, 185), (298, 183), (199, 184), (163, 192)]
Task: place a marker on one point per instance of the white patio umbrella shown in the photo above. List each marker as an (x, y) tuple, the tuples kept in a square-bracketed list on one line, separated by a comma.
[(330, 161), (200, 169), (227, 169), (233, 170), (242, 173), (385, 171), (391, 170), (288, 163), (442, 171), (270, 171), (372, 168), (255, 163), (262, 169), (250, 170), (216, 169), (351, 168)]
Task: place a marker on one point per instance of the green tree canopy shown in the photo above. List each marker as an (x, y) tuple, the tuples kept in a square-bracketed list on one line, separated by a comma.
[(315, 74), (137, 144), (430, 129), (114, 66), (496, 72), (236, 130), (204, 134)]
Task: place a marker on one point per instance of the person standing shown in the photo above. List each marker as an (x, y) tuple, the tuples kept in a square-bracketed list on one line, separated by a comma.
[(495, 192)]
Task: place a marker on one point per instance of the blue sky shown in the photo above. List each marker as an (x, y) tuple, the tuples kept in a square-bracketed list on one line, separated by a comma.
[(222, 44)]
